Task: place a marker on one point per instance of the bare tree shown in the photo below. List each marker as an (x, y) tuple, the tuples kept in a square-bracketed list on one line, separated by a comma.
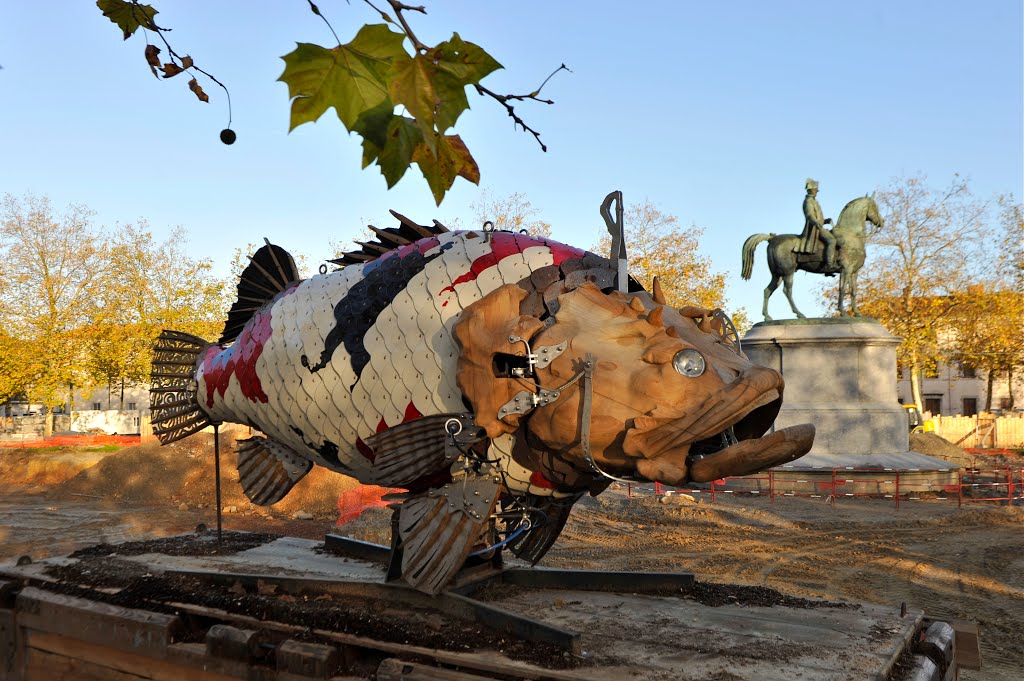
[(513, 212), (935, 243)]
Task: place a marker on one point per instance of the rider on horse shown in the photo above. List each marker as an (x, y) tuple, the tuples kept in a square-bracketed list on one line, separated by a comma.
[(814, 228)]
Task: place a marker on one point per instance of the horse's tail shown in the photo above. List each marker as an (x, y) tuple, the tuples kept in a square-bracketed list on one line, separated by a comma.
[(748, 252)]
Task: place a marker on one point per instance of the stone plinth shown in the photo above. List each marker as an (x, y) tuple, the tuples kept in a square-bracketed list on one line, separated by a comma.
[(841, 376)]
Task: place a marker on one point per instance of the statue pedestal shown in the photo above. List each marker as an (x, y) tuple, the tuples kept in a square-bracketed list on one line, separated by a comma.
[(841, 376)]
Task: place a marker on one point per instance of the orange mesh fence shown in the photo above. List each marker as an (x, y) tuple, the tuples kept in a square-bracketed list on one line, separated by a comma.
[(355, 501), (72, 441), (990, 451)]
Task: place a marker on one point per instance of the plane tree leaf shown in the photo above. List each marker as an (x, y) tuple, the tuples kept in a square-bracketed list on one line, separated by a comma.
[(432, 85), (403, 138), (352, 78), (451, 159), (372, 125), (464, 61), (127, 16)]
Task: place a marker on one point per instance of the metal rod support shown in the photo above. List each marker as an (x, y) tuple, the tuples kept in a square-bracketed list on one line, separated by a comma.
[(216, 475)]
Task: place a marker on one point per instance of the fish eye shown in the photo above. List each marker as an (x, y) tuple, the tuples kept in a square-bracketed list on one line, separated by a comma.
[(689, 363)]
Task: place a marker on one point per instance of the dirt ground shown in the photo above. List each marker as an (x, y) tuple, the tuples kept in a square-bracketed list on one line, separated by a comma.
[(965, 563)]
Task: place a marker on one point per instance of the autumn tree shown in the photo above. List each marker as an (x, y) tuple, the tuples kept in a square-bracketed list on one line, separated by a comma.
[(935, 243), (19, 364), (988, 317), (149, 285), (657, 245), (514, 212), (81, 307), (51, 266), (986, 328)]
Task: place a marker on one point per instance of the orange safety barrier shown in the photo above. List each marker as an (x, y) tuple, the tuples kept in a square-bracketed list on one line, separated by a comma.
[(1009, 479), (72, 441), (353, 502), (989, 451)]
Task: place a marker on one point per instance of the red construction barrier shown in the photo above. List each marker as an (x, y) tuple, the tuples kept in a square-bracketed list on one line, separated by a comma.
[(893, 478), (718, 485), (355, 501), (995, 479), (1009, 479), (714, 488), (73, 441)]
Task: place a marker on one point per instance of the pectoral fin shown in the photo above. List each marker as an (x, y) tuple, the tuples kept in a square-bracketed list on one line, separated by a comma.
[(439, 529), (410, 450), (267, 470)]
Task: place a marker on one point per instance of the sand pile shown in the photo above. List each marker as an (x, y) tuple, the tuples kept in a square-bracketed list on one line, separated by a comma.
[(933, 445), (49, 466), (183, 473)]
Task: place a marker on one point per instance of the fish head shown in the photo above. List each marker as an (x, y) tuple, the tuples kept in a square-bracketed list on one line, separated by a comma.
[(660, 397)]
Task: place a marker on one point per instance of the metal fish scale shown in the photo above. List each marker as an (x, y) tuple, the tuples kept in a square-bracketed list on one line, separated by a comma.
[(338, 379)]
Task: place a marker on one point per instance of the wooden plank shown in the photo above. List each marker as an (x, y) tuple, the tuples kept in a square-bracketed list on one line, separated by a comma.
[(307, 660), (107, 625), (195, 655), (398, 670), (233, 643), (105, 663), (489, 661), (9, 646), (44, 666)]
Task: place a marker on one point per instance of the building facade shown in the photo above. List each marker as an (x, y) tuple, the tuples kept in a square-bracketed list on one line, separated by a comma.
[(955, 390)]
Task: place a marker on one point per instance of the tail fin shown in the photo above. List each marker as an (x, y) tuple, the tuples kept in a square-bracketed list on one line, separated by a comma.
[(172, 393)]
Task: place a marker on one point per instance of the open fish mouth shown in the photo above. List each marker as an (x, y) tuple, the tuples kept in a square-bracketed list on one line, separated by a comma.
[(753, 455), (723, 436)]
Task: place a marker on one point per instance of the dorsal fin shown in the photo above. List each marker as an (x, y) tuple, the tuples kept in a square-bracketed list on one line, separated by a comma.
[(270, 271), (389, 239)]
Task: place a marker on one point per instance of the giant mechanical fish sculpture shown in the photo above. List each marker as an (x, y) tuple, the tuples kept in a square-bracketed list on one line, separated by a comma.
[(495, 376)]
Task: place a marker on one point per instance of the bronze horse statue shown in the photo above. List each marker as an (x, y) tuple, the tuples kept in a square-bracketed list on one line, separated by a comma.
[(784, 261)]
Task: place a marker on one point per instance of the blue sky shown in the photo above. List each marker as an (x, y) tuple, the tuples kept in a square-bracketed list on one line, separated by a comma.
[(716, 112)]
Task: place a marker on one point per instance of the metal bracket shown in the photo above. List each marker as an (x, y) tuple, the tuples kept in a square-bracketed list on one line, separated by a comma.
[(471, 494), (547, 354), (526, 401), (462, 434)]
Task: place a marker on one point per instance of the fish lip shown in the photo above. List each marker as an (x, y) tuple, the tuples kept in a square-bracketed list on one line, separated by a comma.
[(755, 454), (754, 389)]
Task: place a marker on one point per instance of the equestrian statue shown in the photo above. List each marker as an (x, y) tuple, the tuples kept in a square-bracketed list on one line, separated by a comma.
[(817, 249)]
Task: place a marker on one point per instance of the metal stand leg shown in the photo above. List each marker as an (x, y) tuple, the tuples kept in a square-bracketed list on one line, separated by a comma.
[(395, 563), (216, 467)]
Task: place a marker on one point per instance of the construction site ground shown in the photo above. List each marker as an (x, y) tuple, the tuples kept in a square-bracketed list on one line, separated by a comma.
[(955, 563)]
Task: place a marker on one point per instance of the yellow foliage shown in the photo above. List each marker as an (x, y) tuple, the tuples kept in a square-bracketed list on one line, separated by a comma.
[(658, 246)]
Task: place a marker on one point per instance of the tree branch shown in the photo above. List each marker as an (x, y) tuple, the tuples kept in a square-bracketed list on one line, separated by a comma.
[(174, 55), (505, 99), (398, 8), (316, 10)]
